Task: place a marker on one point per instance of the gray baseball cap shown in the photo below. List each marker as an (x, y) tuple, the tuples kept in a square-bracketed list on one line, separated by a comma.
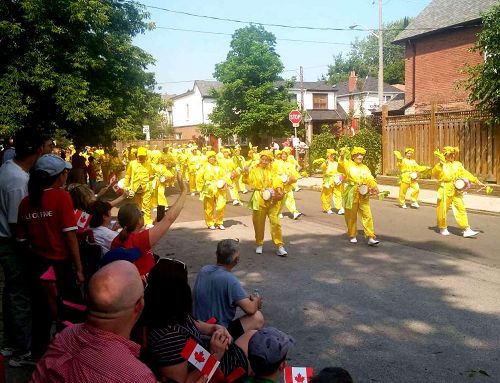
[(270, 344), (52, 164)]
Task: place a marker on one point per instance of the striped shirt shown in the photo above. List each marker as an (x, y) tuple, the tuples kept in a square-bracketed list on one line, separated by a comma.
[(166, 344)]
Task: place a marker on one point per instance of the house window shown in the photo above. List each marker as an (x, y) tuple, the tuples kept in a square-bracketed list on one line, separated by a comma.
[(320, 101), (187, 111)]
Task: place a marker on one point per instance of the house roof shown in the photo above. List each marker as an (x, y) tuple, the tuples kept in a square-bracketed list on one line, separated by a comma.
[(368, 84), (320, 86), (444, 14), (206, 86), (328, 115)]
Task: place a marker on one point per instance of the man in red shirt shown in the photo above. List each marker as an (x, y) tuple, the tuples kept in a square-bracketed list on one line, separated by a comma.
[(99, 350)]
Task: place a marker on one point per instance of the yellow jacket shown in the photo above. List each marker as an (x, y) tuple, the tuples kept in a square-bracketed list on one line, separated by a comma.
[(138, 176), (407, 166), (207, 179), (447, 173), (288, 169), (259, 180), (330, 170)]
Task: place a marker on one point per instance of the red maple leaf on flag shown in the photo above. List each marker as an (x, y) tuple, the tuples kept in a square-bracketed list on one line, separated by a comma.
[(199, 356), (83, 219), (299, 378)]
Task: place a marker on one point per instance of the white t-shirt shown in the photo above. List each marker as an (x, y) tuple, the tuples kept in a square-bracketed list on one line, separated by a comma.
[(103, 237), (13, 188)]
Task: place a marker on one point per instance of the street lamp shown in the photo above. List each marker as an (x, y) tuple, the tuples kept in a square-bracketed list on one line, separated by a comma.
[(380, 38)]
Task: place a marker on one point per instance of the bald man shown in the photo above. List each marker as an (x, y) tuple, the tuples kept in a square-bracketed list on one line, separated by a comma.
[(99, 350)]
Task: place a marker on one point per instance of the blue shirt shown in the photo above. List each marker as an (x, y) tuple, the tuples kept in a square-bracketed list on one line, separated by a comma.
[(215, 294)]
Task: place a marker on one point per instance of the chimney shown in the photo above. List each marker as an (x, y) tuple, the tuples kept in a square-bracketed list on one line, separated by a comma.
[(352, 81)]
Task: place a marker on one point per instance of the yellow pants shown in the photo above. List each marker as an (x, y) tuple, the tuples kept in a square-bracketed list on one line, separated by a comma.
[(403, 188), (326, 197), (192, 182), (289, 202), (159, 196), (143, 201), (233, 190), (217, 203), (360, 205), (241, 185), (457, 203), (259, 224)]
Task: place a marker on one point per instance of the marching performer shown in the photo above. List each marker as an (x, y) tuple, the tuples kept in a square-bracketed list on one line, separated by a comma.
[(194, 164), (409, 170), (232, 175), (332, 184), (138, 181), (239, 160), (266, 201), (291, 159), (162, 178), (453, 180), (289, 175), (213, 191), (358, 187)]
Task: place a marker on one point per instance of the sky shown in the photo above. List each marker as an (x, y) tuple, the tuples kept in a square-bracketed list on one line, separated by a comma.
[(184, 56)]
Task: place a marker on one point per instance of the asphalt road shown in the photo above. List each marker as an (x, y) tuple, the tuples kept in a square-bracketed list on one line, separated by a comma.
[(418, 308)]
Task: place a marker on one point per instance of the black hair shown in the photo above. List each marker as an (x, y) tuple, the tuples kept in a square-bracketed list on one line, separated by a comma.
[(167, 297), (99, 210), (38, 182), (225, 251), (332, 375), (262, 367), (27, 142)]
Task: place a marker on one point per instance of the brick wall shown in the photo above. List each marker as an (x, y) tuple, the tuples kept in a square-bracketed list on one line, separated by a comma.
[(438, 60)]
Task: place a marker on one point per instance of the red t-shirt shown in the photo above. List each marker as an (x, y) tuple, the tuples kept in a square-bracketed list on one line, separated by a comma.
[(44, 225), (140, 240)]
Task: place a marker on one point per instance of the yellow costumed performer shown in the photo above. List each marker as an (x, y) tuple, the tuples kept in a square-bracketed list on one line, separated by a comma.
[(239, 160), (194, 164), (409, 170), (453, 180), (138, 181), (213, 191), (289, 176), (359, 184), (163, 177), (332, 184), (266, 202), (232, 175)]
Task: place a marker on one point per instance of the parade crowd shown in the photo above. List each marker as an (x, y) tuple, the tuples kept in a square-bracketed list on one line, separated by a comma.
[(86, 299)]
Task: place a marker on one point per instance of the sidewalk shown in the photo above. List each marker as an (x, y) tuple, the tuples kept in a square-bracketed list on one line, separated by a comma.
[(473, 202)]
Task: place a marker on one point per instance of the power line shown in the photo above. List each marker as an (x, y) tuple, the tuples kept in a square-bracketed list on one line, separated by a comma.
[(230, 34)]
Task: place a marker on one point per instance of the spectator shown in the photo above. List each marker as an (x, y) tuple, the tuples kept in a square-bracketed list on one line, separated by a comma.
[(91, 172), (332, 375), (275, 145), (170, 325), (77, 174), (100, 225), (217, 293), (14, 176), (132, 235), (47, 225), (99, 350), (267, 351), (8, 152)]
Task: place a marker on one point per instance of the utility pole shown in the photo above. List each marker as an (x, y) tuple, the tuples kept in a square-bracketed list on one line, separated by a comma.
[(301, 89), (380, 57)]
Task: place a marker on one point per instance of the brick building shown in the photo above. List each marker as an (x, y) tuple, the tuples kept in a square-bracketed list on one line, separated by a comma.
[(438, 43)]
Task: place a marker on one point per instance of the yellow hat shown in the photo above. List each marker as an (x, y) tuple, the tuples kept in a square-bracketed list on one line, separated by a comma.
[(287, 149), (277, 153), (225, 150), (142, 151), (409, 150), (330, 151), (266, 153), (450, 150), (358, 150), (211, 153)]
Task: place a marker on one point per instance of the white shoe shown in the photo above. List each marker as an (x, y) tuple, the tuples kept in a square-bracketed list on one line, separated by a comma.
[(373, 242), (193, 194), (444, 232), (244, 191), (212, 227), (281, 252), (280, 216), (221, 227), (236, 202), (258, 250), (341, 211), (329, 211), (298, 189), (403, 206), (470, 233), (297, 215), (353, 240), (415, 205)]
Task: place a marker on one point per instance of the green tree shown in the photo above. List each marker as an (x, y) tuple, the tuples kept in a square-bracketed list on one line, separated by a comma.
[(363, 57), (484, 79), (71, 65), (251, 103)]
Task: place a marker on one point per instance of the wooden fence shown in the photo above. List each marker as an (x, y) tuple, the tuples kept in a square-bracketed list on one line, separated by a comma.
[(479, 142)]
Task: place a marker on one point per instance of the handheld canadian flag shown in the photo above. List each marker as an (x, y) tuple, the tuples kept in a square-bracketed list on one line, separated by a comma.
[(82, 219), (113, 179), (298, 374), (200, 358), (116, 188)]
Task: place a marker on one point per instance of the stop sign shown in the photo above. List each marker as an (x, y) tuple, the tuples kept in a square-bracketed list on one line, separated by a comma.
[(295, 117)]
